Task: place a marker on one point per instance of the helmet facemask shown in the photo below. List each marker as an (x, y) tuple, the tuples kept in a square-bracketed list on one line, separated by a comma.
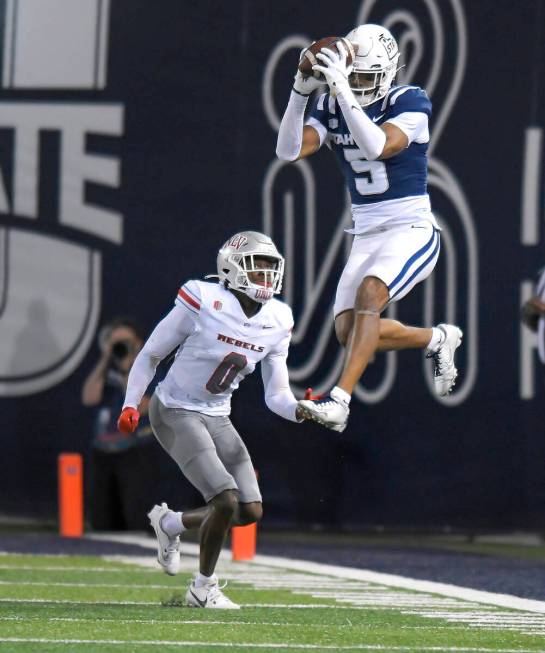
[(250, 263), (257, 275), (369, 86)]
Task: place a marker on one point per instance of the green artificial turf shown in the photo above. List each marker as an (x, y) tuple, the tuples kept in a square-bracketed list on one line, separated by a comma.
[(88, 604)]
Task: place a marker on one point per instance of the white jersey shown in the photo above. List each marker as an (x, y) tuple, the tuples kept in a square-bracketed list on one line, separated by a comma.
[(218, 346)]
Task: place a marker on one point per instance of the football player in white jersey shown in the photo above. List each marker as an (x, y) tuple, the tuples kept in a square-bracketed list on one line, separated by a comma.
[(221, 331), (380, 135)]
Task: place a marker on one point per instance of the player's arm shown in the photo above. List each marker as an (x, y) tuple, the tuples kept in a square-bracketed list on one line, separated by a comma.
[(396, 140), (311, 142), (376, 142), (170, 333), (295, 139), (278, 395)]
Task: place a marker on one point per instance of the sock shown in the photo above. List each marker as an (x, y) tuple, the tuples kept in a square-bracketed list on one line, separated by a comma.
[(437, 339), (201, 579), (172, 523), (342, 395)]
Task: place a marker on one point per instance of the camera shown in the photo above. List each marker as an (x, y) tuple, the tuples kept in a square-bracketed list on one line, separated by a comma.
[(121, 349)]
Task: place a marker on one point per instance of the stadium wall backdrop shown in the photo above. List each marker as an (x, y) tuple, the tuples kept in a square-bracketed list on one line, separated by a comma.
[(125, 167)]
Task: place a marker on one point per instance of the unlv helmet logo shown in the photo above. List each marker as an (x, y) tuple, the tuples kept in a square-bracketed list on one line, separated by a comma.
[(237, 241)]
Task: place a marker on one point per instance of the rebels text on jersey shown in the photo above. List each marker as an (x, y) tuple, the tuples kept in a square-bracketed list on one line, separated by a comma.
[(401, 176), (222, 346)]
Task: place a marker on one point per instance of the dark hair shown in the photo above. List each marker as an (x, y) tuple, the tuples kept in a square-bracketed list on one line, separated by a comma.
[(126, 321)]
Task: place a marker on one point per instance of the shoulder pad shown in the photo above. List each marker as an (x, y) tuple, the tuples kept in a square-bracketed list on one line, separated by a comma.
[(407, 98)]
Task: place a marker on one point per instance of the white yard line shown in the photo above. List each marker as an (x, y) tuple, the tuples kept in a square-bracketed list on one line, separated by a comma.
[(93, 570), (175, 622), (66, 602), (18, 583), (277, 645), (350, 573), (295, 606)]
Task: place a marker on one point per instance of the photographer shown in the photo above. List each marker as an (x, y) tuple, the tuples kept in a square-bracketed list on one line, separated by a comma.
[(122, 468)]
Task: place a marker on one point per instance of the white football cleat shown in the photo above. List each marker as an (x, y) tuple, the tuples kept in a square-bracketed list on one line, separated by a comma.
[(168, 548), (331, 411), (444, 370), (209, 596)]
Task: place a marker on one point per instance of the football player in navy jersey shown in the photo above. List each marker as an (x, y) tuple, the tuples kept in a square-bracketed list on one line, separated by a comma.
[(379, 133)]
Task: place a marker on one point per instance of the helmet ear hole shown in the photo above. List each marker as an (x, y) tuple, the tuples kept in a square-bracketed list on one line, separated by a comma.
[(226, 270)]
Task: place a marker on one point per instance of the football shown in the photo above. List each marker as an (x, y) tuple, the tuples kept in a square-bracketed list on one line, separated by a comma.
[(308, 58)]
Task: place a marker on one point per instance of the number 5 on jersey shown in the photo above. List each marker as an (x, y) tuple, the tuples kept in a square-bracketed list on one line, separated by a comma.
[(373, 180)]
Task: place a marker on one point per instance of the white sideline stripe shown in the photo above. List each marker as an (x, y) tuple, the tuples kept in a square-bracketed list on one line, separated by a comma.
[(355, 647), (350, 573)]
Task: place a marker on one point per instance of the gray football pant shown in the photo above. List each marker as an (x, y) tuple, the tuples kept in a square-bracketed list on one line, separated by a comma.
[(208, 450)]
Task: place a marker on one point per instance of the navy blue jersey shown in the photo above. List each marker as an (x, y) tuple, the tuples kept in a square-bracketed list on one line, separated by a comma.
[(403, 175)]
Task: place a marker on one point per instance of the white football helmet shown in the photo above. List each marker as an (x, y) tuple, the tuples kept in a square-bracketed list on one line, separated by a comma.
[(242, 257), (375, 64)]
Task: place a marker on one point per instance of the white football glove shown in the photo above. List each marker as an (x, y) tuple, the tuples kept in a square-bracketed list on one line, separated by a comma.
[(305, 85), (334, 68)]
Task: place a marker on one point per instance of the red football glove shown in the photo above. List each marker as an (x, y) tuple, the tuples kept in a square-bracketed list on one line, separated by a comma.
[(309, 395), (128, 420)]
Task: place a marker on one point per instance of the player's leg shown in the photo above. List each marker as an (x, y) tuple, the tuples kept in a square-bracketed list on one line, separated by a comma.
[(234, 455), (214, 529), (393, 335), (187, 439), (184, 436), (371, 298), (365, 294), (405, 256), (440, 343), (226, 510), (246, 513), (446, 338)]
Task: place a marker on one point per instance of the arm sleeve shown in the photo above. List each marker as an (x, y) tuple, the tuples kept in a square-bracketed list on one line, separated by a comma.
[(290, 134), (368, 137), (170, 333), (274, 370), (318, 116)]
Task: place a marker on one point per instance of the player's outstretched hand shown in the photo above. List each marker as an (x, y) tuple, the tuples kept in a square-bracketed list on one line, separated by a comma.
[(334, 66), (128, 420)]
